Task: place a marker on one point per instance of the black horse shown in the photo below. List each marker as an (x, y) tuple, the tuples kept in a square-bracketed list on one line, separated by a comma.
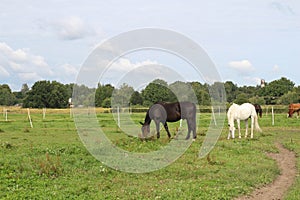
[(258, 109), (162, 112)]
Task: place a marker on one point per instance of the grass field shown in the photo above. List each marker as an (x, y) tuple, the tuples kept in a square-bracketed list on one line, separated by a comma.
[(49, 161)]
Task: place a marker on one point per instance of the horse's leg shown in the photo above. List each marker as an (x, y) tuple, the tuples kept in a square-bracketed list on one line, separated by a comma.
[(228, 137), (193, 127), (252, 126), (246, 124), (157, 124), (229, 132), (189, 134), (239, 127), (167, 129), (189, 130)]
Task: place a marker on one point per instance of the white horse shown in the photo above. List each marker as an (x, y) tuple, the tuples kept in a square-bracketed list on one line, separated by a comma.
[(242, 112)]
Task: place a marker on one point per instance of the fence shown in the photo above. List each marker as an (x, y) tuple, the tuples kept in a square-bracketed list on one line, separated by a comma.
[(267, 109), (9, 112)]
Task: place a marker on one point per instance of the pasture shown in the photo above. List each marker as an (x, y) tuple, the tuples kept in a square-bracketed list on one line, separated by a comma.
[(49, 161)]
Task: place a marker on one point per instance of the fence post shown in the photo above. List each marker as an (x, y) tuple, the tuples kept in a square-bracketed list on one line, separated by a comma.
[(118, 110), (44, 113), (6, 115), (273, 119), (28, 112), (213, 114)]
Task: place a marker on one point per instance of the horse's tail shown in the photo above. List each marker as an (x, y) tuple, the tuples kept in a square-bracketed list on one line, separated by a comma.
[(256, 123)]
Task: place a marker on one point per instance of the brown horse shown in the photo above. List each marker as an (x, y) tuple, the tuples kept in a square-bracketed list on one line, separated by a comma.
[(294, 107), (162, 112), (258, 109)]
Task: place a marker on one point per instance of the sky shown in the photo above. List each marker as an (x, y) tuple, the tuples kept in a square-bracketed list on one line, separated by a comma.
[(246, 40)]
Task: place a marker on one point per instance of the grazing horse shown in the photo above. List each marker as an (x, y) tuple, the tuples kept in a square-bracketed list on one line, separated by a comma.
[(242, 112), (258, 109), (294, 107), (162, 112)]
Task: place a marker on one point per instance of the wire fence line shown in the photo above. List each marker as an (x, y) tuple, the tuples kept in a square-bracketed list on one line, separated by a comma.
[(267, 109)]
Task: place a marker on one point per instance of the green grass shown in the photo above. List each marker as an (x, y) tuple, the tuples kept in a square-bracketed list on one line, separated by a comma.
[(49, 161)]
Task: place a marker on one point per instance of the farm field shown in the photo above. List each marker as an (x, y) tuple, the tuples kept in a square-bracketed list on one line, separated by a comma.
[(49, 161)]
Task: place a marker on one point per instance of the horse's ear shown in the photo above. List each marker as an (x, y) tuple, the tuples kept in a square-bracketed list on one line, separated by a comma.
[(142, 123)]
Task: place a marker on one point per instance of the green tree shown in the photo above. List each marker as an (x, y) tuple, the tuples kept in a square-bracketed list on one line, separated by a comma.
[(249, 91), (82, 95), (217, 92), (241, 98), (47, 94), (257, 100), (279, 87), (103, 92), (121, 96), (157, 91), (24, 89), (21, 95), (106, 103), (136, 98), (290, 97), (182, 92), (69, 88), (231, 91), (7, 98), (201, 92)]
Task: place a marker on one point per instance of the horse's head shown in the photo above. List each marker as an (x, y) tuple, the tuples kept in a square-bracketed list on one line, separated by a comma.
[(145, 129), (231, 129), (291, 111), (260, 113)]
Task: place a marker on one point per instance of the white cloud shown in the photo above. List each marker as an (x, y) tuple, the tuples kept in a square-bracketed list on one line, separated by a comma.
[(275, 68), (284, 9), (124, 64), (243, 67), (253, 80), (72, 28), (22, 60), (3, 72), (39, 61), (16, 67), (29, 76), (69, 69), (19, 55), (142, 74), (22, 66), (4, 49)]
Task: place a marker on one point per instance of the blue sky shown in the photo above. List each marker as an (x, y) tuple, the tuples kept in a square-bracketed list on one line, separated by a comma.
[(247, 40)]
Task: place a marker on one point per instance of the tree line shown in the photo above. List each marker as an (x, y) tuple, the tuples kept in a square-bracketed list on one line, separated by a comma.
[(52, 94)]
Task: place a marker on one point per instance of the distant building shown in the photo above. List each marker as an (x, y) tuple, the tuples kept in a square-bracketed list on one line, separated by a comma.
[(71, 103), (262, 83)]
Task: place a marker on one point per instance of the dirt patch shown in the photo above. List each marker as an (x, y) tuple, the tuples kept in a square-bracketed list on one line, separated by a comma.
[(286, 161)]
